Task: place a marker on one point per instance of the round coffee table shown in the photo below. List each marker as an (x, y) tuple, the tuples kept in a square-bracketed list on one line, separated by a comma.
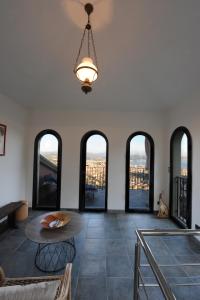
[(56, 246)]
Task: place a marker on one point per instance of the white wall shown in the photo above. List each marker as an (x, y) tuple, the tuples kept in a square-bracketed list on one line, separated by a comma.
[(13, 164), (117, 127), (16, 167), (188, 116)]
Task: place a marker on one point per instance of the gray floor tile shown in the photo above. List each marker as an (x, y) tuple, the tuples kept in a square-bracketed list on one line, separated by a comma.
[(113, 234), (28, 247), (131, 246), (12, 242), (93, 265), (118, 266), (187, 292), (173, 271), (74, 284), (158, 246), (184, 259), (95, 233), (96, 222), (165, 259), (150, 280), (146, 271), (154, 293), (90, 288), (116, 247), (96, 215), (82, 234), (76, 266), (95, 247), (129, 233), (179, 245), (120, 288), (18, 265), (192, 270), (103, 266), (111, 226), (172, 281)]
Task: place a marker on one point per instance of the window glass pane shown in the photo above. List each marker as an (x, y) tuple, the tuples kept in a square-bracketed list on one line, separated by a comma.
[(180, 172), (139, 172), (47, 171), (95, 179), (184, 155), (49, 148)]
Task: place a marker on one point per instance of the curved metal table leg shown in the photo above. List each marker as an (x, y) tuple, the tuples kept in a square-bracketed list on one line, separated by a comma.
[(54, 257)]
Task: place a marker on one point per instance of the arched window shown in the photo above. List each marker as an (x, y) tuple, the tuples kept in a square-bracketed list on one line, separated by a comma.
[(93, 171), (181, 176), (47, 170), (139, 172)]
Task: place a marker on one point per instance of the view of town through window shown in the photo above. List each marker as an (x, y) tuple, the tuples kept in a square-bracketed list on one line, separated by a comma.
[(180, 176), (184, 155), (49, 148), (181, 181), (95, 180), (48, 161), (139, 172)]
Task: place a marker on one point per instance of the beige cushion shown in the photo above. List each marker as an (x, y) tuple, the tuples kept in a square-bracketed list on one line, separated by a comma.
[(37, 291)]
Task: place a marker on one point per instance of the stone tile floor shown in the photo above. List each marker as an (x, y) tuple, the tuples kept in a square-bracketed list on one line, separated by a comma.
[(104, 264)]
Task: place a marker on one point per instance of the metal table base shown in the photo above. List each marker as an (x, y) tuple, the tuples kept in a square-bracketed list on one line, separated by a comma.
[(54, 257)]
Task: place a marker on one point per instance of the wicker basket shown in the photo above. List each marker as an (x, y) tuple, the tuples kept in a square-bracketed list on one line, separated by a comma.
[(63, 291)]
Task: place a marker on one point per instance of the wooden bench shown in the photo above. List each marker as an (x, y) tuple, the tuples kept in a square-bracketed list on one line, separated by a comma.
[(9, 211)]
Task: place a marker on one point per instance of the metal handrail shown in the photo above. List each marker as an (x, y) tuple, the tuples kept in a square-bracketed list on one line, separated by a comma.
[(162, 283)]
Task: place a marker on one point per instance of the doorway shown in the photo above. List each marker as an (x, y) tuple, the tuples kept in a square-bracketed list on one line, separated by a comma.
[(47, 170), (181, 176), (139, 173), (93, 172)]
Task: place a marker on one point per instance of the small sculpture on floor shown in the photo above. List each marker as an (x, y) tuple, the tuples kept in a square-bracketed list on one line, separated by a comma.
[(163, 208), (2, 276)]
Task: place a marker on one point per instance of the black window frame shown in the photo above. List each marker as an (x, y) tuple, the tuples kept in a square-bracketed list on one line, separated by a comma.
[(35, 170), (83, 154), (189, 180)]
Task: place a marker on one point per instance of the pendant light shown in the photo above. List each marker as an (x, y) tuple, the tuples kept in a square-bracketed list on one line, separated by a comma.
[(86, 68)]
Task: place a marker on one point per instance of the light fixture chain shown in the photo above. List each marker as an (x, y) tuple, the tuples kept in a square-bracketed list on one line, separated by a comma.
[(94, 49), (88, 43), (80, 48)]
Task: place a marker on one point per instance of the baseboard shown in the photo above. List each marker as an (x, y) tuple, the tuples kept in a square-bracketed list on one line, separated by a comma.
[(114, 211)]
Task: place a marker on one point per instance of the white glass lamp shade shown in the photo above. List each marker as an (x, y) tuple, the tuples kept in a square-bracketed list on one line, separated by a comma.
[(86, 71)]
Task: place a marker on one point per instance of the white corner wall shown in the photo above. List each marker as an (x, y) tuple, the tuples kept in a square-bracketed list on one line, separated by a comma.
[(188, 115), (13, 164), (117, 126)]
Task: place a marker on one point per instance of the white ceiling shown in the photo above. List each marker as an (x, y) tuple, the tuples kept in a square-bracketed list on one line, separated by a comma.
[(148, 53)]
